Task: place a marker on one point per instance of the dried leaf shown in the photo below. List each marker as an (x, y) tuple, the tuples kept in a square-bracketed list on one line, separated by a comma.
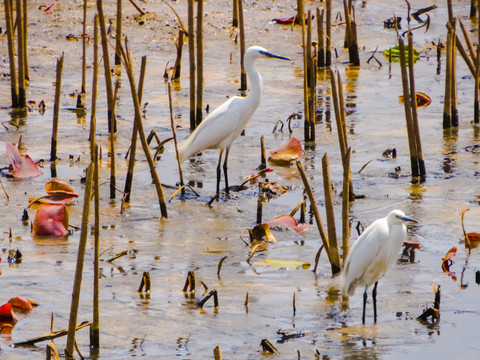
[(447, 260), (288, 221), (57, 185), (411, 244), (423, 100), (284, 264), (21, 303), (6, 313), (473, 238), (23, 166), (262, 233), (273, 188), (51, 220), (287, 153)]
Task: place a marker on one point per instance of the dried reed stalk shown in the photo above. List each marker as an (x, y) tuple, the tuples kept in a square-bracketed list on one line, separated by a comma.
[(93, 115), (118, 34), (321, 40), (77, 284), (241, 24), (95, 327), (235, 14), (133, 144), (22, 93), (84, 48), (191, 61), (199, 99), (332, 232), (11, 52), (175, 137), (56, 109), (138, 119), (347, 180)]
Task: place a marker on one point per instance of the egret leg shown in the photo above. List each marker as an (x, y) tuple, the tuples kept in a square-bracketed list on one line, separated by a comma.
[(225, 170), (219, 171), (374, 296), (364, 305)]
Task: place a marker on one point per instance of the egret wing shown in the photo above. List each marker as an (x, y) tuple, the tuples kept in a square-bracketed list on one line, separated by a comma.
[(362, 262), (214, 130)]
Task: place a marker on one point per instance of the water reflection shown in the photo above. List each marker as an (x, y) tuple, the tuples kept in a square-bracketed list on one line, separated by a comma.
[(450, 137)]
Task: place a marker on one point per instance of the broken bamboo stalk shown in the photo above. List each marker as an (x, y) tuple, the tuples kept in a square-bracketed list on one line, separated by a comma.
[(133, 144), (241, 24), (329, 210), (175, 137), (335, 265), (11, 52), (191, 61), (93, 115), (84, 49), (22, 92), (95, 326), (77, 284), (199, 98), (56, 109), (138, 119), (346, 207)]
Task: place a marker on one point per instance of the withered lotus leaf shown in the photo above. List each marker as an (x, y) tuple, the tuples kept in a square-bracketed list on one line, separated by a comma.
[(447, 260), (54, 186), (411, 244), (423, 100), (6, 313), (22, 166), (474, 239), (56, 198), (287, 153), (22, 303), (261, 232), (288, 221), (51, 220)]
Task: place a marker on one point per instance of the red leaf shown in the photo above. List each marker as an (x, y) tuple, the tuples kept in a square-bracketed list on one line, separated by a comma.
[(289, 221), (286, 153), (51, 220), (22, 303), (474, 239), (23, 166), (6, 313), (412, 244)]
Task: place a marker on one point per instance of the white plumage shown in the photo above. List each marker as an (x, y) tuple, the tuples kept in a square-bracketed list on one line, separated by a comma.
[(374, 252), (225, 123)]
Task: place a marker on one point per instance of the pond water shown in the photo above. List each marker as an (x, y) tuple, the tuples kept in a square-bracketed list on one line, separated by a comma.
[(167, 323)]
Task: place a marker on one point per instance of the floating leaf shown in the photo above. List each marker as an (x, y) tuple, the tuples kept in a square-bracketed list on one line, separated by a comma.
[(55, 185), (288, 221), (473, 238), (21, 303), (395, 51), (273, 188), (287, 153), (23, 166), (6, 313), (423, 100), (55, 199), (284, 264), (51, 220), (289, 20)]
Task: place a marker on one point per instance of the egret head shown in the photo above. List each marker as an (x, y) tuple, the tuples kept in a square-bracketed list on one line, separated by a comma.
[(256, 52), (399, 217)]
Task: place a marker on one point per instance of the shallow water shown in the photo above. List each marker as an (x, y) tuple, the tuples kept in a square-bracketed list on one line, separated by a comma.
[(167, 324)]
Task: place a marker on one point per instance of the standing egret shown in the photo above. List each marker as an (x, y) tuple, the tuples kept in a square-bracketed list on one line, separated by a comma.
[(225, 123), (373, 254)]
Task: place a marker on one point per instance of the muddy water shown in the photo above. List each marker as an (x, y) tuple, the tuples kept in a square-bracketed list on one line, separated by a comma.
[(167, 323)]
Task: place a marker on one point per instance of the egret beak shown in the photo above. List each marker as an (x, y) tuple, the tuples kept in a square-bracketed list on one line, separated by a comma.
[(270, 55), (406, 218)]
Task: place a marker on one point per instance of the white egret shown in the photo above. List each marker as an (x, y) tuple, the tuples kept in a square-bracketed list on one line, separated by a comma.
[(225, 123), (373, 254)]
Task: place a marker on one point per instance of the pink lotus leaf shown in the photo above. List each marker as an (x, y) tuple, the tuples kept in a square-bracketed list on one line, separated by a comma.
[(23, 166), (288, 221), (287, 153), (51, 220)]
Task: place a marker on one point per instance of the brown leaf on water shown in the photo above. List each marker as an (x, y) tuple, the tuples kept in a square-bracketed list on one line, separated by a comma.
[(273, 188), (447, 262), (423, 100), (55, 185), (287, 153), (288, 221)]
